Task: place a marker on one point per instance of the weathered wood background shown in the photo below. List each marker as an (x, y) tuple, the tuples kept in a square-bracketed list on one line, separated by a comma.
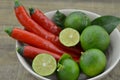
[(10, 68)]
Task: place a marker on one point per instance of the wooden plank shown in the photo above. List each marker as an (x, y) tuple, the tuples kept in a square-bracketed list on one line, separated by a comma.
[(7, 15)]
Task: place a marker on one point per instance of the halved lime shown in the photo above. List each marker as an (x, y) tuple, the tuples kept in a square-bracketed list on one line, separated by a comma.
[(44, 64), (69, 37)]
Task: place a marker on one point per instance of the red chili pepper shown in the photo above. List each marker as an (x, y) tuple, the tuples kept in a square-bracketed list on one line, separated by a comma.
[(31, 52), (44, 21), (34, 40), (32, 26)]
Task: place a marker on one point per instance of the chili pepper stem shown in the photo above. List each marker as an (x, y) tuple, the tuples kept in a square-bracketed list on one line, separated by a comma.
[(20, 50), (17, 3), (8, 31), (31, 10)]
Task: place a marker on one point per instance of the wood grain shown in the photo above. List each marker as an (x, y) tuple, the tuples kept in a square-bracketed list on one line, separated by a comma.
[(10, 67)]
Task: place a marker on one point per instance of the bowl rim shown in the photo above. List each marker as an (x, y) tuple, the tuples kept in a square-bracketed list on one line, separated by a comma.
[(25, 65)]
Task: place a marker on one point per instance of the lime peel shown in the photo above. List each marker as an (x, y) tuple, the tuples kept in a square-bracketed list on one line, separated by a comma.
[(93, 62), (64, 56)]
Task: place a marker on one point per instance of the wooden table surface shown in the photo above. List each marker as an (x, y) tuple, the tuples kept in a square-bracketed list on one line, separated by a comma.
[(10, 67)]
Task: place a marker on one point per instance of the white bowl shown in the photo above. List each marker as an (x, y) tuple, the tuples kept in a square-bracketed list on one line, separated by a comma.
[(113, 52)]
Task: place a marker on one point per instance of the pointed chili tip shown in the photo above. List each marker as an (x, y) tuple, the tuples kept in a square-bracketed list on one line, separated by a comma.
[(17, 3), (31, 10), (8, 31), (20, 50)]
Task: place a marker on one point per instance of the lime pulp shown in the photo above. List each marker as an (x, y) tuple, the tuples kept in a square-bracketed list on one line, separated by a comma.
[(69, 37), (44, 64)]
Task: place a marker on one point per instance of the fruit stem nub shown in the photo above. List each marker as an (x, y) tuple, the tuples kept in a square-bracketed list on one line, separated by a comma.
[(60, 66)]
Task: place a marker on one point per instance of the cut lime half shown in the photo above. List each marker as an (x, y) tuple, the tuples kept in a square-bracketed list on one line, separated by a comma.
[(69, 37), (44, 64)]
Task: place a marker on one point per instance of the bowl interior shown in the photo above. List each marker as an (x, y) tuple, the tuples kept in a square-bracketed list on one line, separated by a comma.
[(113, 52)]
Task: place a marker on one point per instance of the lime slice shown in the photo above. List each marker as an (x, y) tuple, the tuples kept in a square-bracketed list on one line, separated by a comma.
[(69, 37), (44, 64)]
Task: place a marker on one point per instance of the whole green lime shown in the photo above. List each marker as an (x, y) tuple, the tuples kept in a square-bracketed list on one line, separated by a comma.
[(94, 37), (69, 70), (77, 20), (92, 62)]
